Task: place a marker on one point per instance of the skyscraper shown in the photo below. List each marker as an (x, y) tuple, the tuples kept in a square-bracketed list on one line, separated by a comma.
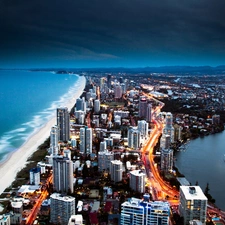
[(62, 174), (149, 113), (177, 132), (62, 208), (85, 140), (54, 139), (142, 107), (142, 212), (104, 160), (116, 170), (63, 122), (137, 181), (117, 91), (169, 129), (193, 204), (96, 106), (165, 141), (133, 136), (166, 159), (109, 79), (35, 175), (80, 104), (143, 128)]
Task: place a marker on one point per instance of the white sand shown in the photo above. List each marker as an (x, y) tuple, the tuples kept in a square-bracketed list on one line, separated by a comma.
[(18, 159)]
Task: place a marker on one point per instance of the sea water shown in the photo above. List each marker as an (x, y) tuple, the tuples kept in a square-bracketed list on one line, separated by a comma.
[(28, 100)]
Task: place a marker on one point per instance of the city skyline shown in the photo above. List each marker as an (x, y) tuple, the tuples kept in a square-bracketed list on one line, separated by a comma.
[(112, 34)]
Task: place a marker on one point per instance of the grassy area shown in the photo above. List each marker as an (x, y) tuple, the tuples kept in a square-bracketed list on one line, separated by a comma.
[(22, 176)]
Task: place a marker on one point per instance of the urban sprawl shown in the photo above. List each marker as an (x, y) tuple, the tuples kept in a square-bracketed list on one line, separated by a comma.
[(110, 160)]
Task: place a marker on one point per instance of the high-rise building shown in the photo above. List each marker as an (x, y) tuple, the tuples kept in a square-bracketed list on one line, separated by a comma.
[(193, 204), (117, 91), (102, 83), (137, 180), (109, 80), (62, 174), (67, 153), (80, 104), (143, 128), (96, 106), (116, 170), (63, 123), (165, 141), (109, 141), (17, 211), (62, 208), (166, 159), (54, 140), (123, 87), (103, 146), (177, 132), (169, 129), (104, 160), (142, 212), (142, 107), (85, 140), (35, 175), (149, 113), (133, 137)]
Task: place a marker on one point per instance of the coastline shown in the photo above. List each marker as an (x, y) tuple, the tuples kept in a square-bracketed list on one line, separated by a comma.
[(18, 159)]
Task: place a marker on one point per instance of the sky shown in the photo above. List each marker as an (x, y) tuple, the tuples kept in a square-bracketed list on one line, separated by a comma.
[(111, 33)]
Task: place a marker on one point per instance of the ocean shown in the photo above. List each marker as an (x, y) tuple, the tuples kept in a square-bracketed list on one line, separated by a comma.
[(28, 100)]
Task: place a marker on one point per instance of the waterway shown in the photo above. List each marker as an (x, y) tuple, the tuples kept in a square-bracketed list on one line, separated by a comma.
[(203, 161)]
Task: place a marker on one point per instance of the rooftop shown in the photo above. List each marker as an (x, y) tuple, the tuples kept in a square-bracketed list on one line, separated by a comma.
[(193, 192)]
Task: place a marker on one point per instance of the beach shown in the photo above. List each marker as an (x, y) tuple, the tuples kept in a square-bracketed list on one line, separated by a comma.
[(17, 160)]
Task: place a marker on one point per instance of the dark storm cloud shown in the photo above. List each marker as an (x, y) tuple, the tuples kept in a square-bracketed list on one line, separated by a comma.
[(112, 30)]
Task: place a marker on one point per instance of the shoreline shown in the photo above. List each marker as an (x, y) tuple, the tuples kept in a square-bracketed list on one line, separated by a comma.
[(17, 160)]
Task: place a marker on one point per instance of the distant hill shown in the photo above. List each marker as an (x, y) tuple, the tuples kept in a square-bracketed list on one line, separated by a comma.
[(163, 69)]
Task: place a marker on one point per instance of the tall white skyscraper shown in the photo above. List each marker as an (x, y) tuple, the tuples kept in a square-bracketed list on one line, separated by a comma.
[(143, 128), (62, 208), (137, 181), (141, 212), (193, 204), (166, 160), (63, 123), (116, 170), (85, 140), (62, 174), (133, 137), (54, 140)]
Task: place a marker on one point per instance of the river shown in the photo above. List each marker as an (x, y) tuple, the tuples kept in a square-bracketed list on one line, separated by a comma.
[(204, 161)]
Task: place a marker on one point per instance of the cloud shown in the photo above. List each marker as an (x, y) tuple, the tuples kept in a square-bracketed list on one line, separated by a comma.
[(124, 29)]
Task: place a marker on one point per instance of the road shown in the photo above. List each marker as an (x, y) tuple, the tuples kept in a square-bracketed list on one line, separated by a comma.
[(36, 207), (160, 189)]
